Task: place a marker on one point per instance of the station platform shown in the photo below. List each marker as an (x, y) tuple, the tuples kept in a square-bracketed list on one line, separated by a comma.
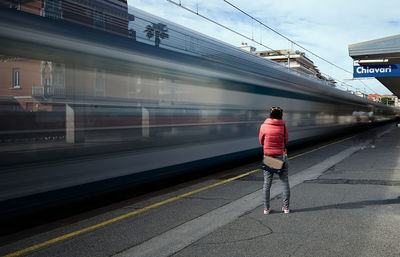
[(345, 201)]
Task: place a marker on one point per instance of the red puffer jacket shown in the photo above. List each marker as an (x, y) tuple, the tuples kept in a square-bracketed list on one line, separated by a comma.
[(271, 136)]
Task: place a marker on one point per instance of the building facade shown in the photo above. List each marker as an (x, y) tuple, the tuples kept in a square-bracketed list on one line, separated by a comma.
[(385, 99), (109, 15), (29, 84), (295, 60), (247, 48)]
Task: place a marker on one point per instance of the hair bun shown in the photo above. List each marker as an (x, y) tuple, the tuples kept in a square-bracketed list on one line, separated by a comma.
[(273, 109)]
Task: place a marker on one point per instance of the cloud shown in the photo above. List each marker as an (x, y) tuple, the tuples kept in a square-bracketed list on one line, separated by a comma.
[(324, 27)]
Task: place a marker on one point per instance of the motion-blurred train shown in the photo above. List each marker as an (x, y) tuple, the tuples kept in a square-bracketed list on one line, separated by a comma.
[(123, 109)]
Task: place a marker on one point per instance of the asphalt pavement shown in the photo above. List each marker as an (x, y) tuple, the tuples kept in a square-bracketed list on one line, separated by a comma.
[(345, 201), (352, 209)]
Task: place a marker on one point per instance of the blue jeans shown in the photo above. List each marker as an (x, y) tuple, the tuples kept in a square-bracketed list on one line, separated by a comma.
[(284, 178)]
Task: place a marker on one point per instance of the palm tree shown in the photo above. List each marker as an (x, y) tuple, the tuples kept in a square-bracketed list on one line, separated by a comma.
[(158, 30)]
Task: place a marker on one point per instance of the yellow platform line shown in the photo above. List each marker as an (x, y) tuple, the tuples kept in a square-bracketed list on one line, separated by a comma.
[(104, 223), (319, 148)]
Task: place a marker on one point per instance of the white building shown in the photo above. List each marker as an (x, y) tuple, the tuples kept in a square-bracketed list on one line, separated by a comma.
[(296, 60), (247, 48)]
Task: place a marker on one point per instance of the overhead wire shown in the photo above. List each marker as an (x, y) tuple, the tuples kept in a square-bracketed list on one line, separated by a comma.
[(219, 24), (260, 43), (261, 23), (268, 27), (342, 83), (367, 86)]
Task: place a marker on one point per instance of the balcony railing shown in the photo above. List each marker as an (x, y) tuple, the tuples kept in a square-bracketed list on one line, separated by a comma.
[(37, 91), (41, 91)]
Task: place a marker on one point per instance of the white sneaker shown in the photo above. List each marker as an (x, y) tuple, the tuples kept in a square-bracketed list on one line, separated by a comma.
[(286, 210), (266, 211)]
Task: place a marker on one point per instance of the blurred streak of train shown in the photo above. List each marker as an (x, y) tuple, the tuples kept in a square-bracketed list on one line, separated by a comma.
[(149, 101)]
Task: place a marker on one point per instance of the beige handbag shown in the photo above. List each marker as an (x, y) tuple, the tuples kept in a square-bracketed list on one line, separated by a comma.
[(273, 163)]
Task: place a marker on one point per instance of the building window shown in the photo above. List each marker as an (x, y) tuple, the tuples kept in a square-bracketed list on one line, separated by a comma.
[(15, 6), (16, 80), (53, 9), (99, 20), (100, 83)]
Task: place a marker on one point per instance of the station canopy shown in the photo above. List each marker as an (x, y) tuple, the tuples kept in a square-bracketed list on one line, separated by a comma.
[(379, 58)]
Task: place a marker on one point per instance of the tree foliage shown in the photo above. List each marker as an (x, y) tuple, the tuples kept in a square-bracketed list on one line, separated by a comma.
[(387, 101), (157, 30)]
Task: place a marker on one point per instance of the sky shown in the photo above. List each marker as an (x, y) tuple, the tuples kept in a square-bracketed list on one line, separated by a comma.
[(324, 27)]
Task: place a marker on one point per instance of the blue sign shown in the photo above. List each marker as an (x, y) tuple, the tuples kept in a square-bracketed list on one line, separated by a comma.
[(385, 70)]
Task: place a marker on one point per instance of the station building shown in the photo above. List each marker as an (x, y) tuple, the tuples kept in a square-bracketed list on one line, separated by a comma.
[(380, 59)]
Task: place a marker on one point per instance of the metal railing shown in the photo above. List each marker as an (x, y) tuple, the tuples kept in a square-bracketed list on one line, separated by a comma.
[(48, 91)]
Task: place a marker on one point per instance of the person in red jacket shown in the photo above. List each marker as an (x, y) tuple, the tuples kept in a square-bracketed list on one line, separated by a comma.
[(273, 137)]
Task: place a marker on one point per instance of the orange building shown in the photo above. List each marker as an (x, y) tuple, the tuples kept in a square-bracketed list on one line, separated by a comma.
[(19, 78), (109, 15), (374, 97), (29, 82), (378, 98)]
